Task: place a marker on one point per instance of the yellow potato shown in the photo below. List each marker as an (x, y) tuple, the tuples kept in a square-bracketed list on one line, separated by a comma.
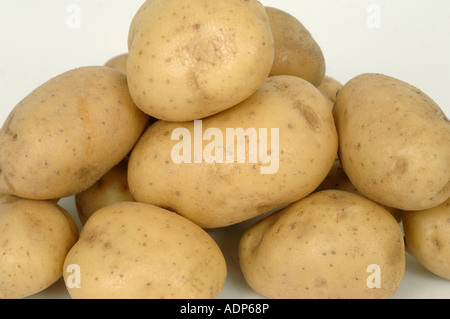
[(331, 244), (427, 237), (330, 88), (189, 59), (337, 179), (270, 150), (119, 63), (394, 142), (296, 51), (67, 133), (110, 189), (35, 237), (137, 251)]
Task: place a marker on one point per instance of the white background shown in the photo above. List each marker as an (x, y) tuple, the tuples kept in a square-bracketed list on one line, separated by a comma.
[(406, 39)]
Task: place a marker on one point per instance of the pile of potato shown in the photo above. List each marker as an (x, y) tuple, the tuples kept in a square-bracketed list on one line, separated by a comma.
[(346, 178)]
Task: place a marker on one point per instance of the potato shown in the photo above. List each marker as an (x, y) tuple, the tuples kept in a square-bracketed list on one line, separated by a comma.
[(296, 51), (331, 244), (270, 150), (427, 237), (189, 59), (67, 133), (330, 88), (135, 250), (110, 189), (337, 179), (119, 63), (35, 237), (394, 142)]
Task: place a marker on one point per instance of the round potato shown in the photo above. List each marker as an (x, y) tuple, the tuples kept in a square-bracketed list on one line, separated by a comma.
[(189, 59), (296, 51), (133, 250), (394, 142), (110, 189), (427, 237), (331, 244), (270, 150), (68, 133), (35, 237), (119, 63)]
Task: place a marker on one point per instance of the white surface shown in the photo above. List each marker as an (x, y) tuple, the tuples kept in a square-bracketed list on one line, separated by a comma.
[(406, 39)]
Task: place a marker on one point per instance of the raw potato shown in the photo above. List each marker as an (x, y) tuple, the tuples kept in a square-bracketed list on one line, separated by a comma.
[(427, 237), (330, 88), (394, 142), (68, 133), (337, 179), (331, 244), (119, 63), (110, 189), (35, 237), (189, 59), (296, 51), (137, 251), (217, 192)]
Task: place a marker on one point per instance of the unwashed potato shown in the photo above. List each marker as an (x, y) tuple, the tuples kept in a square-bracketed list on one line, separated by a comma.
[(35, 237), (67, 133), (427, 237), (329, 245), (119, 63), (394, 142), (110, 189), (296, 51), (189, 59), (288, 141), (330, 88), (133, 250)]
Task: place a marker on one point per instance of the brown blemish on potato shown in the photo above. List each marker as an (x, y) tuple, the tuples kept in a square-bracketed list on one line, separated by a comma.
[(401, 166), (309, 114)]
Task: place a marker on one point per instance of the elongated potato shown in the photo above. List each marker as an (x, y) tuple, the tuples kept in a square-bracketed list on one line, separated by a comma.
[(35, 238), (189, 59), (296, 51), (394, 142), (427, 237), (270, 150), (135, 250), (67, 133)]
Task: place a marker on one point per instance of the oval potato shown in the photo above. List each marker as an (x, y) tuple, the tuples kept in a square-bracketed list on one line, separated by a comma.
[(296, 51), (329, 245), (189, 59), (118, 62), (35, 238), (394, 142), (67, 133), (131, 250), (288, 144), (427, 237)]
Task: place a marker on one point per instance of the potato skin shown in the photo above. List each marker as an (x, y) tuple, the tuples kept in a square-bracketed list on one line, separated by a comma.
[(221, 194), (427, 237), (118, 62), (68, 133), (189, 59), (394, 142), (321, 247), (296, 51), (131, 250), (110, 189), (35, 237)]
